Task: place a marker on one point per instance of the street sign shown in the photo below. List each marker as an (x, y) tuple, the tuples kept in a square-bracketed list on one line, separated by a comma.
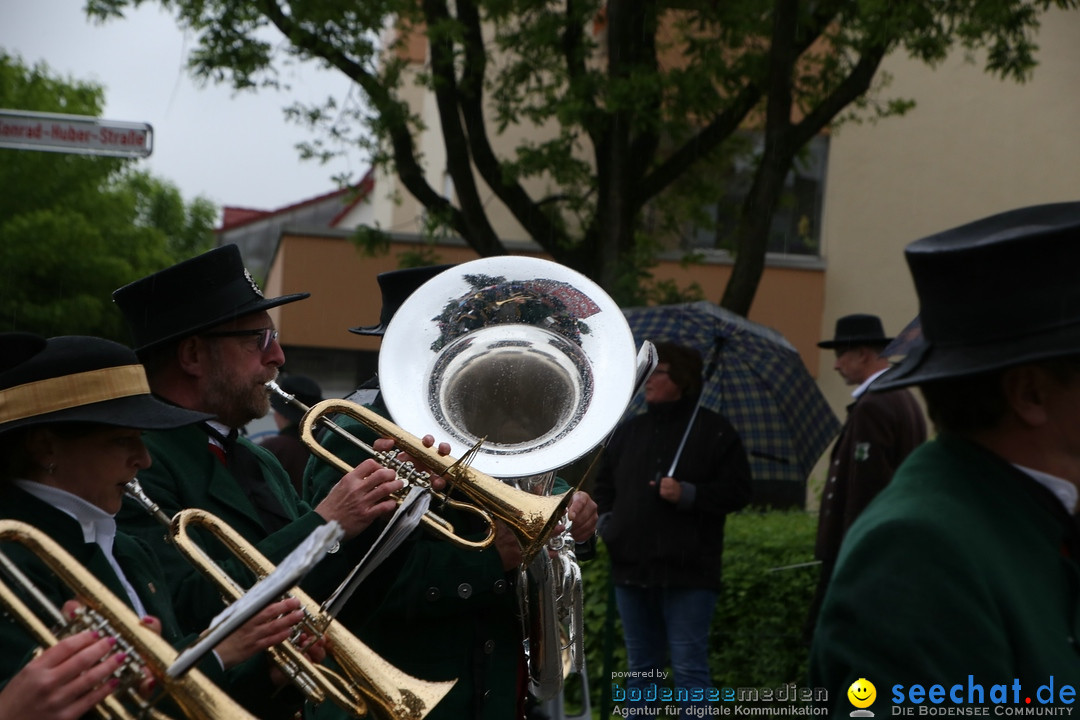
[(86, 135)]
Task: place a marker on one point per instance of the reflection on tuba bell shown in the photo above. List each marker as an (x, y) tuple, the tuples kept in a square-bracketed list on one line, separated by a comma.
[(192, 692), (536, 364), (367, 684), (531, 358)]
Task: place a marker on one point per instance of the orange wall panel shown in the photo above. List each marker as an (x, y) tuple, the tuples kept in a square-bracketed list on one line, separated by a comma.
[(344, 292)]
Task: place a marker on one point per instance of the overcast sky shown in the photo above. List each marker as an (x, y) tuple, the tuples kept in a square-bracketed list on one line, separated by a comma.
[(234, 150)]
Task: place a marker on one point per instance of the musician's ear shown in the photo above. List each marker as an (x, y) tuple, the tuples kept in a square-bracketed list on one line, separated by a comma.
[(193, 355)]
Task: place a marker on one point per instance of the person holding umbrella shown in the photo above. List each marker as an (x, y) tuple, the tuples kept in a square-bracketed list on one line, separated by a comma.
[(668, 478)]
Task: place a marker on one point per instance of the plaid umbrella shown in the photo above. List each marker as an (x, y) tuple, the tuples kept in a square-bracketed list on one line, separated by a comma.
[(759, 384)]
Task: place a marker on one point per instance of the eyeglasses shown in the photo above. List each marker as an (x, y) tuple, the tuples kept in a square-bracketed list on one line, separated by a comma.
[(265, 335)]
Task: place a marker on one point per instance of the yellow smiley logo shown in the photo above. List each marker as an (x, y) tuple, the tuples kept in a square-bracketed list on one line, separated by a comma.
[(862, 693)]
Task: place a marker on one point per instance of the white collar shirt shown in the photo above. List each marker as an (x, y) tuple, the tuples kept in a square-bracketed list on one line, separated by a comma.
[(97, 526), (857, 392)]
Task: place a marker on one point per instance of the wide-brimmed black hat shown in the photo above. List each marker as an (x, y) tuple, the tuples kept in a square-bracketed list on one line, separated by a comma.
[(303, 389), (397, 286), (74, 378), (855, 331), (18, 347), (192, 296), (995, 293)]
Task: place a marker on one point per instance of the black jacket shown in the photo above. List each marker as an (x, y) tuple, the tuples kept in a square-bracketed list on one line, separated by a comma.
[(653, 542)]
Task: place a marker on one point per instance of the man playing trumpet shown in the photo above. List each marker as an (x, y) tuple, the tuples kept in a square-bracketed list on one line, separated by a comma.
[(202, 329)]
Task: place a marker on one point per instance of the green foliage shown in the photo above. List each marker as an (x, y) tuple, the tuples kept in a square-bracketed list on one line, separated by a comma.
[(73, 228), (369, 240), (188, 229), (757, 632), (621, 112), (422, 256), (667, 292), (758, 628)]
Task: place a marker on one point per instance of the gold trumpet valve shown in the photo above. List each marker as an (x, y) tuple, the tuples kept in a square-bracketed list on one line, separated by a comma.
[(130, 672), (406, 470)]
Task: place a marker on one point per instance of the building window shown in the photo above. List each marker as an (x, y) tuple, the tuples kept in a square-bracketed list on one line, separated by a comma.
[(796, 224)]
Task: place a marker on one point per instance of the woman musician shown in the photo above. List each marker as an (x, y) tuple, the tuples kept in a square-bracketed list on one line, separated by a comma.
[(72, 410)]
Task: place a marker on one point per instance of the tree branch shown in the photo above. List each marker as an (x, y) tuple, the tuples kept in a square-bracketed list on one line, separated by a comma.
[(475, 227), (734, 115), (393, 113), (471, 92), (853, 86)]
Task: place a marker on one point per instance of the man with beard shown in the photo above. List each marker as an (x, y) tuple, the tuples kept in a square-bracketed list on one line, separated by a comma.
[(202, 330)]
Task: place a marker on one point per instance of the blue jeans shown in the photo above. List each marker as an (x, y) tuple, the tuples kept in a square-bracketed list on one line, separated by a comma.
[(662, 624)]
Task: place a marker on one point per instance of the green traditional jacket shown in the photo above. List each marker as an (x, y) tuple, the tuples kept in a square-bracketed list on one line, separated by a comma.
[(186, 474), (437, 611), (138, 564), (963, 571)]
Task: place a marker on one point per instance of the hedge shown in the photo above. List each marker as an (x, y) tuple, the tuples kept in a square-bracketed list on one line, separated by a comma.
[(757, 633)]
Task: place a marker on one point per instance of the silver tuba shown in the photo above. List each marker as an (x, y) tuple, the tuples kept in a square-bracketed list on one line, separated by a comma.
[(533, 363)]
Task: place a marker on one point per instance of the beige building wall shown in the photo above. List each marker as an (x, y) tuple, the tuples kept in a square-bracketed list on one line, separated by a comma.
[(973, 145)]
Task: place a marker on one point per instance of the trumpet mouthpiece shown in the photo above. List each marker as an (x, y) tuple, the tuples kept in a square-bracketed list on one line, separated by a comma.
[(134, 491)]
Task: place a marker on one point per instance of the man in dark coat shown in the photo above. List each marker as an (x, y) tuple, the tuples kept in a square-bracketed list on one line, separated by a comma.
[(880, 430), (959, 586), (665, 530), (202, 329)]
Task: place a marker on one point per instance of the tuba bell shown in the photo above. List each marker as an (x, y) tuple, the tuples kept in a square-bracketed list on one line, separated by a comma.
[(196, 696), (532, 364), (528, 358)]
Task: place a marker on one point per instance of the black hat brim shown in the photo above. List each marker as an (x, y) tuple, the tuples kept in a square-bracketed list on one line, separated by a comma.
[(854, 342), (928, 362), (379, 329), (229, 316)]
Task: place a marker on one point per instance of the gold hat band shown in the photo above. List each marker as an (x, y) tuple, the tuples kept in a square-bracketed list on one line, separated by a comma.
[(70, 391)]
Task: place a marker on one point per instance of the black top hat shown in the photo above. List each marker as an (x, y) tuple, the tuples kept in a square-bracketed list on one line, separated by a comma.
[(303, 389), (857, 330), (192, 296), (80, 379), (997, 292), (397, 286)]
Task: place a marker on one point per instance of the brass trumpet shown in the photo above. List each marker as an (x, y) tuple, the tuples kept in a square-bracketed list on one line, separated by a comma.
[(196, 696), (532, 518), (366, 684)]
